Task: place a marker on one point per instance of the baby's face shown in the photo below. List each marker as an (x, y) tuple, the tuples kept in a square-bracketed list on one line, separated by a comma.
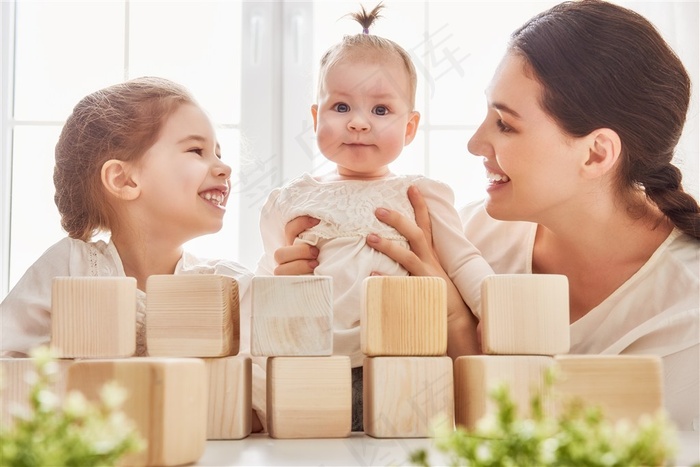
[(364, 115)]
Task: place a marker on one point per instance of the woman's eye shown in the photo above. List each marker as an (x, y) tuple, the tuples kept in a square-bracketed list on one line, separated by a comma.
[(380, 110), (503, 127), (341, 107)]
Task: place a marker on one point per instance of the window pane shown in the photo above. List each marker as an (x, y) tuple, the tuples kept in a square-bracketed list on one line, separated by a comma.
[(35, 222), (450, 162), (197, 44), (63, 52), (465, 42)]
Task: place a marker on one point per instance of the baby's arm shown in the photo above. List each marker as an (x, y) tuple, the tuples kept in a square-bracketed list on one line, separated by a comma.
[(458, 256), (272, 233)]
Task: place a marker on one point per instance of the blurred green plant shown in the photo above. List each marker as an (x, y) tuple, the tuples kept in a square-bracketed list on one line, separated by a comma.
[(74, 433), (579, 436)]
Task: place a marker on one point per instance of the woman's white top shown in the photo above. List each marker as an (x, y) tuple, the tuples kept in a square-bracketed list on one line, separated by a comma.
[(655, 312), (346, 212)]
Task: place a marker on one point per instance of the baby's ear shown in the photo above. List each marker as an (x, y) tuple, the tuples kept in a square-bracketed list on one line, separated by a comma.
[(117, 180), (411, 127), (314, 114), (604, 148)]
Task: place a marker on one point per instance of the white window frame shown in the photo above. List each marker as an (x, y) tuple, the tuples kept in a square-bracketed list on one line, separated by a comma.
[(278, 62)]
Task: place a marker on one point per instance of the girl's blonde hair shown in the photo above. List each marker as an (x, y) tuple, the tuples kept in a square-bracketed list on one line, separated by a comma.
[(119, 122), (363, 44)]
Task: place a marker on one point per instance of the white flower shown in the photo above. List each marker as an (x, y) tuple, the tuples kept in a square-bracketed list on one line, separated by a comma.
[(47, 400), (75, 404), (548, 450), (113, 395), (483, 453)]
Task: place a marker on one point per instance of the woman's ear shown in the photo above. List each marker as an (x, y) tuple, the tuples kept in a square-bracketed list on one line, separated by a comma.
[(314, 114), (411, 127), (604, 148), (117, 180)]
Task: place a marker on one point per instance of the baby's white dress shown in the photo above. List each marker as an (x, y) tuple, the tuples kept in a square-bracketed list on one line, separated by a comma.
[(346, 213)]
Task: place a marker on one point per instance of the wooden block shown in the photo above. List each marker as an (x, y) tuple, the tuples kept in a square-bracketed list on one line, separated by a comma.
[(167, 399), (525, 314), (192, 315), (309, 397), (16, 378), (93, 317), (292, 316), (404, 316), (624, 386), (230, 397), (477, 376), (405, 396)]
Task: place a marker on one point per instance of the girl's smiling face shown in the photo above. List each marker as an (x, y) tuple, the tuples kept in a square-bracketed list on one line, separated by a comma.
[(184, 183), (532, 165)]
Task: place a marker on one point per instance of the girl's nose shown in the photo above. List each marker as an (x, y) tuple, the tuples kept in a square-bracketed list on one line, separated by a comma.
[(222, 169)]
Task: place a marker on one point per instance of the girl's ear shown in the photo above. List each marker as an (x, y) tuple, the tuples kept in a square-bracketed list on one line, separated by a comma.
[(117, 180), (603, 152), (411, 127), (314, 114)]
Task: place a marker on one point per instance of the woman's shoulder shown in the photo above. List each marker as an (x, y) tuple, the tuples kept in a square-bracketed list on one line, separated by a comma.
[(506, 245), (685, 250)]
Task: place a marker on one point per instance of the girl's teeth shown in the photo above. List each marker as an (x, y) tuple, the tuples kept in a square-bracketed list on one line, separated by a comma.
[(216, 198), (492, 177)]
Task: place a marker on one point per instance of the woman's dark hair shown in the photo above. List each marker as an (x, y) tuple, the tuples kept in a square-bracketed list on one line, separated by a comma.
[(604, 66)]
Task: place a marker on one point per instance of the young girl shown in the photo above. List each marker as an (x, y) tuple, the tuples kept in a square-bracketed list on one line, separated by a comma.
[(364, 117), (139, 161)]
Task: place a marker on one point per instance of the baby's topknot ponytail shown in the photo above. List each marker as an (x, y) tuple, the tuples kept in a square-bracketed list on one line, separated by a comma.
[(365, 19)]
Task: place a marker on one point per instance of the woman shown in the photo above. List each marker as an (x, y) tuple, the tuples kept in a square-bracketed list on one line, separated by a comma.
[(584, 113)]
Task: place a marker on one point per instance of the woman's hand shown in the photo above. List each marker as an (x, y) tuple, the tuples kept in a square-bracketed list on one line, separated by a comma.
[(293, 260), (421, 260)]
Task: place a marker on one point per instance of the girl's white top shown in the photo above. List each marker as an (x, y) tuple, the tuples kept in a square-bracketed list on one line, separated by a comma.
[(346, 211), (654, 313), (26, 311)]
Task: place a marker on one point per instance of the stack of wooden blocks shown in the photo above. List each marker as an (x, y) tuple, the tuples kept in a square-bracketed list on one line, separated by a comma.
[(309, 390), (194, 387), (525, 335), (176, 402), (408, 383)]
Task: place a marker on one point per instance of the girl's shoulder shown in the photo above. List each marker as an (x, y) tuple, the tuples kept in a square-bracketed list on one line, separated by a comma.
[(191, 264)]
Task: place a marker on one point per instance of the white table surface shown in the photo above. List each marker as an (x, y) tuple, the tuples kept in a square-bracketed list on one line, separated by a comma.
[(358, 449)]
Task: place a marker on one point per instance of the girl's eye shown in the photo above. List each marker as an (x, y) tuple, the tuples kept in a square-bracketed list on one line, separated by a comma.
[(380, 110), (198, 151), (340, 107), (503, 127)]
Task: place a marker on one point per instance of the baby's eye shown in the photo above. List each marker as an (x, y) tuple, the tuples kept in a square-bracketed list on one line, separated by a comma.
[(198, 151), (380, 110), (341, 107)]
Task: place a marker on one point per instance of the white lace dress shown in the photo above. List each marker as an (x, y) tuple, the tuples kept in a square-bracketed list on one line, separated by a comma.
[(346, 211)]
